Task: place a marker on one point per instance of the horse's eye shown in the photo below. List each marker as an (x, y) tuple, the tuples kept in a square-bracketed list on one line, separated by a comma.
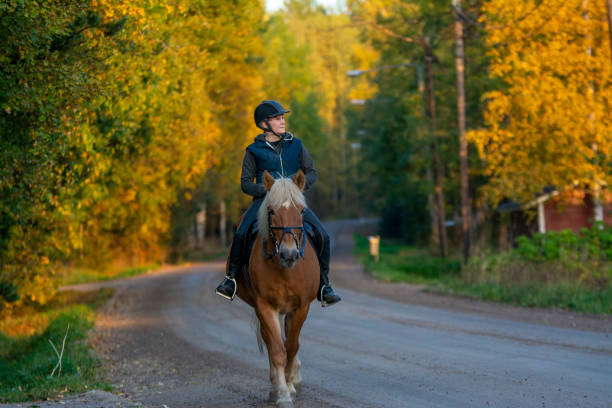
[(271, 212)]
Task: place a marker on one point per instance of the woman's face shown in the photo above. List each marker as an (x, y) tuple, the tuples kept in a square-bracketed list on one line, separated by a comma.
[(277, 124)]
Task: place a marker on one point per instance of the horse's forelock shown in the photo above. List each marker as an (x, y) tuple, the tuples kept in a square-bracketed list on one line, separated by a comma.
[(283, 191)]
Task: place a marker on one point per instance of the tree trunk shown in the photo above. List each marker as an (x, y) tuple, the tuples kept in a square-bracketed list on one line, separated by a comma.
[(503, 241), (596, 186), (439, 172), (463, 152), (201, 226), (431, 203)]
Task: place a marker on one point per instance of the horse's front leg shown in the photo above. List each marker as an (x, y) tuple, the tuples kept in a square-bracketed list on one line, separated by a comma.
[(271, 334), (293, 327)]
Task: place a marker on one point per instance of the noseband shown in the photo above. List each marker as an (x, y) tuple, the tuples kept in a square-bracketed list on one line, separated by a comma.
[(286, 230)]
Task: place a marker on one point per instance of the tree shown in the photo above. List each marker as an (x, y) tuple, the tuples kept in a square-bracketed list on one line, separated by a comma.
[(109, 110), (550, 124), (463, 149), (413, 31), (48, 77), (186, 111)]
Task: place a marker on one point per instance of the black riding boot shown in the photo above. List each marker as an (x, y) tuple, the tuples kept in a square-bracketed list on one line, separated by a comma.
[(325, 294), (227, 288)]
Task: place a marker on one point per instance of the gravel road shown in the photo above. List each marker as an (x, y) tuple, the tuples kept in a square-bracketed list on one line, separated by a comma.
[(168, 341)]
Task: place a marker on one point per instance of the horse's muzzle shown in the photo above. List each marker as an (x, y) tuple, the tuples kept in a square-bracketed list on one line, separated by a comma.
[(288, 256)]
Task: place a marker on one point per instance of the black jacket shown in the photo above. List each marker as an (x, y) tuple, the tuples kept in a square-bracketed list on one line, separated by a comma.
[(257, 159)]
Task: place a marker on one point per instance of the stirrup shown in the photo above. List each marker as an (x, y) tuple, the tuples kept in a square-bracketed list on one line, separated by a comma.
[(323, 302), (223, 294)]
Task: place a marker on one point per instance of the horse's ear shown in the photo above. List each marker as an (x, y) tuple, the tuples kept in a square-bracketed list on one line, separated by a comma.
[(268, 180), (300, 179)]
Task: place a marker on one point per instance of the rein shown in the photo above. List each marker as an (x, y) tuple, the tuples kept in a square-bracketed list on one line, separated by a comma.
[(286, 230)]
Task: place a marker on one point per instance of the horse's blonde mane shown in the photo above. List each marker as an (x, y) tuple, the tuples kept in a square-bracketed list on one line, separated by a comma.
[(283, 192)]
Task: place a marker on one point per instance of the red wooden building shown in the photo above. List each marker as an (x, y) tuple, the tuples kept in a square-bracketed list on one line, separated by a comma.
[(572, 210), (554, 211)]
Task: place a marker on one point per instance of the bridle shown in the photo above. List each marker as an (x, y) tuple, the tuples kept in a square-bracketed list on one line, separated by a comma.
[(286, 230)]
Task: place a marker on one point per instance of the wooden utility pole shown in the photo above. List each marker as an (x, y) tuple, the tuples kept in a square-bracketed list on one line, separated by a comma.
[(463, 152), (438, 175)]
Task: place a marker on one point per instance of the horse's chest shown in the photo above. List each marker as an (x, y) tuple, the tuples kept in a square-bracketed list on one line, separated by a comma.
[(291, 303), (284, 299)]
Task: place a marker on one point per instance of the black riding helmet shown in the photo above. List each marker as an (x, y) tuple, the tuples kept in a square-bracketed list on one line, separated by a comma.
[(267, 110)]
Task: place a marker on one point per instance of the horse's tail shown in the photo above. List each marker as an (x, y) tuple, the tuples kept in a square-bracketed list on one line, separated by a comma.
[(257, 327)]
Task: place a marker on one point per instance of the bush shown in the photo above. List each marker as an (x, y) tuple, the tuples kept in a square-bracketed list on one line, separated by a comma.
[(590, 244), (562, 269)]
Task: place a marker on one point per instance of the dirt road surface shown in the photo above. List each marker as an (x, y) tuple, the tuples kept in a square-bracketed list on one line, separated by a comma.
[(168, 341)]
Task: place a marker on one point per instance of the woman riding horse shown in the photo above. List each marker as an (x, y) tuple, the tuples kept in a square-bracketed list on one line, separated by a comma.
[(282, 155)]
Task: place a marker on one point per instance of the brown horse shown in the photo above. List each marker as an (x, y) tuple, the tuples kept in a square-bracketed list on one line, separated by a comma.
[(283, 281)]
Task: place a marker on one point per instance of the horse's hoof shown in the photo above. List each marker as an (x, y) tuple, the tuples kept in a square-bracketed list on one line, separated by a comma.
[(277, 399), (284, 404), (292, 390), (298, 388), (273, 396)]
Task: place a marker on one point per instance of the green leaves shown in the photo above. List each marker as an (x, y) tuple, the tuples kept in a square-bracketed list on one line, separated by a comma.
[(587, 255)]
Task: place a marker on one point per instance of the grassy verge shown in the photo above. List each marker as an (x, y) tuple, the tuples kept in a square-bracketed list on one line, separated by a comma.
[(73, 276), (509, 278), (401, 263), (563, 295), (517, 282), (27, 358)]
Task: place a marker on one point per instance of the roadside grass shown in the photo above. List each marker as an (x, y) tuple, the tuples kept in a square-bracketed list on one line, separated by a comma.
[(519, 283), (562, 295), (73, 276), (401, 263), (77, 275), (507, 277), (27, 358)]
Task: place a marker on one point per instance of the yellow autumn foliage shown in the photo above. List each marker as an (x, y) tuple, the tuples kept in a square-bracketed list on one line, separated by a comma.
[(117, 112), (109, 110), (549, 124)]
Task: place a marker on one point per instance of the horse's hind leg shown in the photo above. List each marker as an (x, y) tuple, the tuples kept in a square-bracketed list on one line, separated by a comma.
[(271, 333), (293, 327)]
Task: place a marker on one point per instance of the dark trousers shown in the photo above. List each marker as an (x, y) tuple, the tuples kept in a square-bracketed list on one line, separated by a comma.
[(239, 244)]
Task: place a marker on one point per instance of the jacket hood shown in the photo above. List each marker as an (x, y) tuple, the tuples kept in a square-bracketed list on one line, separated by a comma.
[(262, 137)]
